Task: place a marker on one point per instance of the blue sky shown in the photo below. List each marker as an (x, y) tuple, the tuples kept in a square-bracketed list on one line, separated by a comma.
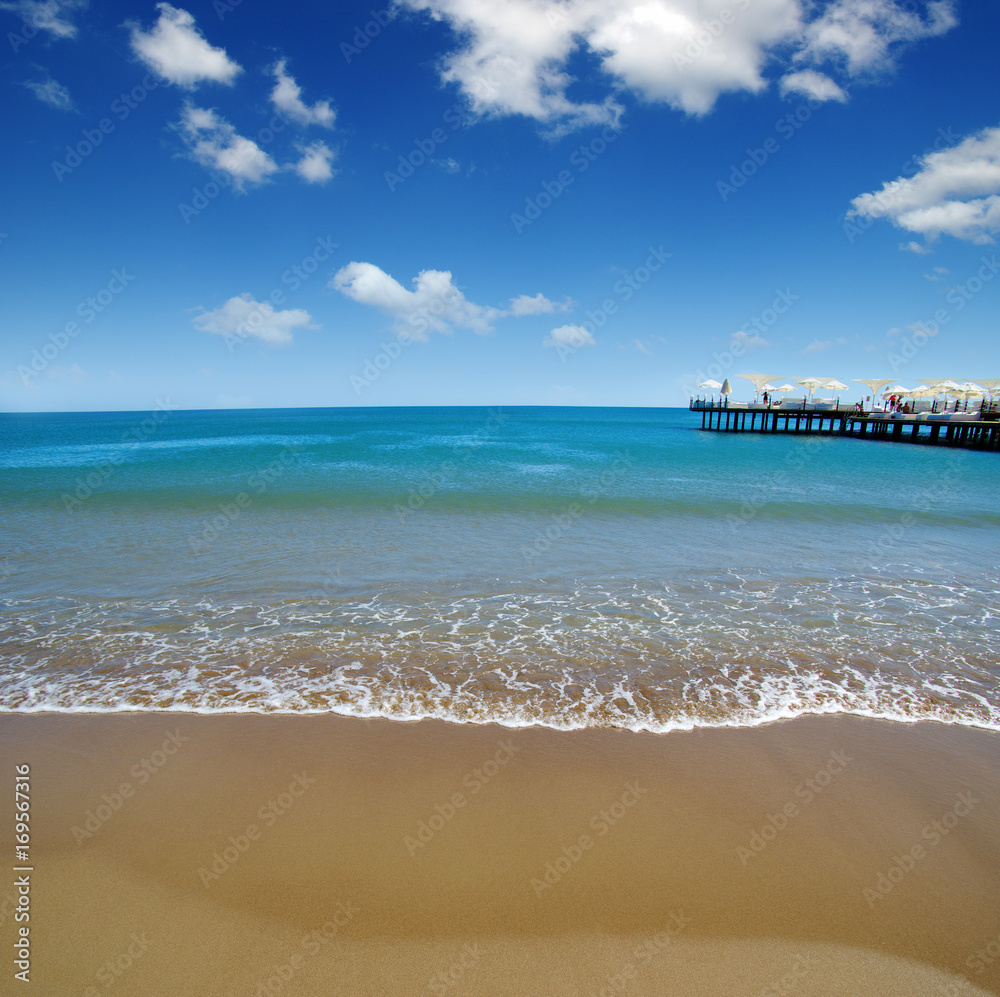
[(238, 204)]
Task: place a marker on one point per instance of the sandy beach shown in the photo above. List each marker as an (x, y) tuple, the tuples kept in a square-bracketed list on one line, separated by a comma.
[(247, 854)]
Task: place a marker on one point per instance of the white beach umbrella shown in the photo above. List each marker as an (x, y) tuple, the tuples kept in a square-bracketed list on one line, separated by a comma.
[(759, 380), (727, 388), (835, 385), (811, 383), (710, 383), (896, 389), (991, 384), (785, 388)]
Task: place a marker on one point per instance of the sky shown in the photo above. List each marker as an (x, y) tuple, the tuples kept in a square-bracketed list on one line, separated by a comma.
[(232, 203)]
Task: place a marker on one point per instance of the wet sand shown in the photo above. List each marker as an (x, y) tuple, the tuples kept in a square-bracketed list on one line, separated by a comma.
[(317, 855)]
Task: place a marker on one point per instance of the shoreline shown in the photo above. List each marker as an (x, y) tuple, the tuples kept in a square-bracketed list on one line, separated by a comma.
[(834, 852)]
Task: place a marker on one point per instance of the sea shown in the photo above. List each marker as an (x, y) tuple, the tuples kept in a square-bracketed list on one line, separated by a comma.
[(567, 567)]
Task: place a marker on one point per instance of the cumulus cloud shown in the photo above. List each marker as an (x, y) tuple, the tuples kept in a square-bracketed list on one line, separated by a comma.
[(809, 83), (818, 346), (956, 191), (52, 16), (214, 143), (178, 51), (314, 166), (915, 247), (569, 337), (523, 304), (287, 98), (747, 341), (514, 57), (243, 317), (436, 303), (52, 93)]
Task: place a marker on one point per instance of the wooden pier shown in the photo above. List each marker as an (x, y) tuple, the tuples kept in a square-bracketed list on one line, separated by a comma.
[(971, 430)]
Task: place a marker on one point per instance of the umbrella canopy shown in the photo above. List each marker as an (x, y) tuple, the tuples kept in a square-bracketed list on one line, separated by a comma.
[(874, 384), (835, 385), (727, 388), (710, 383), (896, 389), (991, 384), (759, 380), (812, 383), (785, 388)]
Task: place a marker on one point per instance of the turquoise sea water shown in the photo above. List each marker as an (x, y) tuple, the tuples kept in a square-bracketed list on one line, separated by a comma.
[(561, 566)]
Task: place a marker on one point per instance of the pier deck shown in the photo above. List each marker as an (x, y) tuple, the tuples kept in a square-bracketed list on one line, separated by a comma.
[(971, 430)]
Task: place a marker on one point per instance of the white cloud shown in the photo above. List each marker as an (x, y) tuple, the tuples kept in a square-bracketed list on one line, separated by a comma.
[(862, 33), (72, 374), (956, 191), (50, 92), (747, 341), (214, 143), (523, 304), (314, 166), (178, 51), (513, 57), (818, 346), (242, 317), (47, 15), (809, 83), (435, 303), (915, 247), (569, 337), (287, 98), (642, 347)]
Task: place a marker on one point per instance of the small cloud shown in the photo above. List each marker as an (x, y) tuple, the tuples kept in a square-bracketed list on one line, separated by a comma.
[(569, 337), (842, 341), (214, 143), (178, 51), (47, 15), (287, 98), (242, 316), (748, 342), (809, 83), (314, 166), (72, 374), (642, 347), (894, 333), (915, 247), (538, 305), (817, 346), (52, 93)]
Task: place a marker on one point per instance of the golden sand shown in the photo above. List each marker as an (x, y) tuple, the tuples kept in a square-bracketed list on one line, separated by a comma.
[(319, 855)]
